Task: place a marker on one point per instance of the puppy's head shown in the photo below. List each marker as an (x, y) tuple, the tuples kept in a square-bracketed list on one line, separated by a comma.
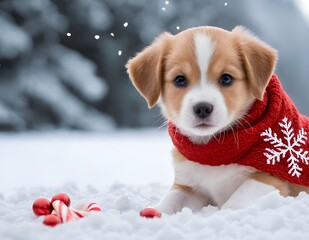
[(205, 78)]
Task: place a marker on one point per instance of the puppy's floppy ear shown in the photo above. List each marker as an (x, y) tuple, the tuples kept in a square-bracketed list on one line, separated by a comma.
[(259, 60), (147, 67)]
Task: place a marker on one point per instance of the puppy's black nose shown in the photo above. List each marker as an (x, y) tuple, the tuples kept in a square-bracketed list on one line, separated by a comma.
[(203, 109)]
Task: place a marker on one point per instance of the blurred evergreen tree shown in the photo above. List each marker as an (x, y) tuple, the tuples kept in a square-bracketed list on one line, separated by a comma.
[(44, 82), (48, 79)]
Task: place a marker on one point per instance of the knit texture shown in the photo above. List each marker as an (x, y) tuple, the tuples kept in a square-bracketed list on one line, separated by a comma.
[(272, 138)]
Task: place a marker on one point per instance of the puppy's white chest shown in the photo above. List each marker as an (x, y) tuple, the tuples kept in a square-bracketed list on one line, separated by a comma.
[(219, 182)]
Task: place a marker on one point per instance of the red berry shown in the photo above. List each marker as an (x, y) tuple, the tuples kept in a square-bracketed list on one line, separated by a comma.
[(52, 220), (150, 213), (62, 197), (42, 206)]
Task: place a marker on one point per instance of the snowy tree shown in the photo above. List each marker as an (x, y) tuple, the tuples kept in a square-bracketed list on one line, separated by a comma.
[(43, 83), (50, 79)]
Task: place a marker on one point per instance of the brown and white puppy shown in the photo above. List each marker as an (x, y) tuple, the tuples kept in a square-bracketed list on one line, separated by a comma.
[(226, 72)]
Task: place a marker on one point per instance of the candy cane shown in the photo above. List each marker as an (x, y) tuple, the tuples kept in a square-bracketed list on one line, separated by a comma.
[(63, 211), (91, 207), (79, 213), (59, 206)]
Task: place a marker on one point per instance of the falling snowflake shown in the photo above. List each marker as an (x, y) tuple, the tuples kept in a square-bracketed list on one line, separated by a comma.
[(112, 34), (125, 24), (225, 4), (163, 9), (292, 147), (97, 37), (69, 34), (119, 52)]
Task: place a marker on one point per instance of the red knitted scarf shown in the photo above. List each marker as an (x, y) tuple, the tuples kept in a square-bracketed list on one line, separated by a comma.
[(272, 138)]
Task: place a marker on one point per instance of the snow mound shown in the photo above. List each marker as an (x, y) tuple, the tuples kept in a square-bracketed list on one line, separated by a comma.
[(94, 167), (272, 217)]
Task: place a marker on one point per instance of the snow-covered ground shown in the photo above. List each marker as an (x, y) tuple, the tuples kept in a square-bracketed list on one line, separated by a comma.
[(52, 159), (124, 172)]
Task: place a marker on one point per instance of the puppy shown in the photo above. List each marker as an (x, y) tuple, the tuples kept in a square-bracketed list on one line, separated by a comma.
[(237, 135)]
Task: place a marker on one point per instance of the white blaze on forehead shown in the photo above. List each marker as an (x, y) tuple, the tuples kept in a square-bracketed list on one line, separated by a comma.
[(204, 48), (205, 91)]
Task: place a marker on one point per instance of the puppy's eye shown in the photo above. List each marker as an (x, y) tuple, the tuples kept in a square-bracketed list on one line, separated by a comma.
[(180, 81), (226, 80)]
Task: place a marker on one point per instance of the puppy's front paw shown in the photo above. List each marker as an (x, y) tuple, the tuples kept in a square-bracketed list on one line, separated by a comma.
[(168, 208), (175, 200), (232, 205), (247, 194)]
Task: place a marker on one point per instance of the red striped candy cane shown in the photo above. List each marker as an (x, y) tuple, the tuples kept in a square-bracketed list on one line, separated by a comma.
[(79, 213), (63, 211), (91, 207)]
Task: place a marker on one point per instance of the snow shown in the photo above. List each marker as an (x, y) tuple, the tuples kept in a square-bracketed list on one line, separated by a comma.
[(78, 72), (124, 172), (84, 159), (49, 85), (47, 89), (13, 39), (8, 116)]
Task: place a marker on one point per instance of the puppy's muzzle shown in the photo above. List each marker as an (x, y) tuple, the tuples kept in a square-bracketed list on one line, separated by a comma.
[(203, 109)]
